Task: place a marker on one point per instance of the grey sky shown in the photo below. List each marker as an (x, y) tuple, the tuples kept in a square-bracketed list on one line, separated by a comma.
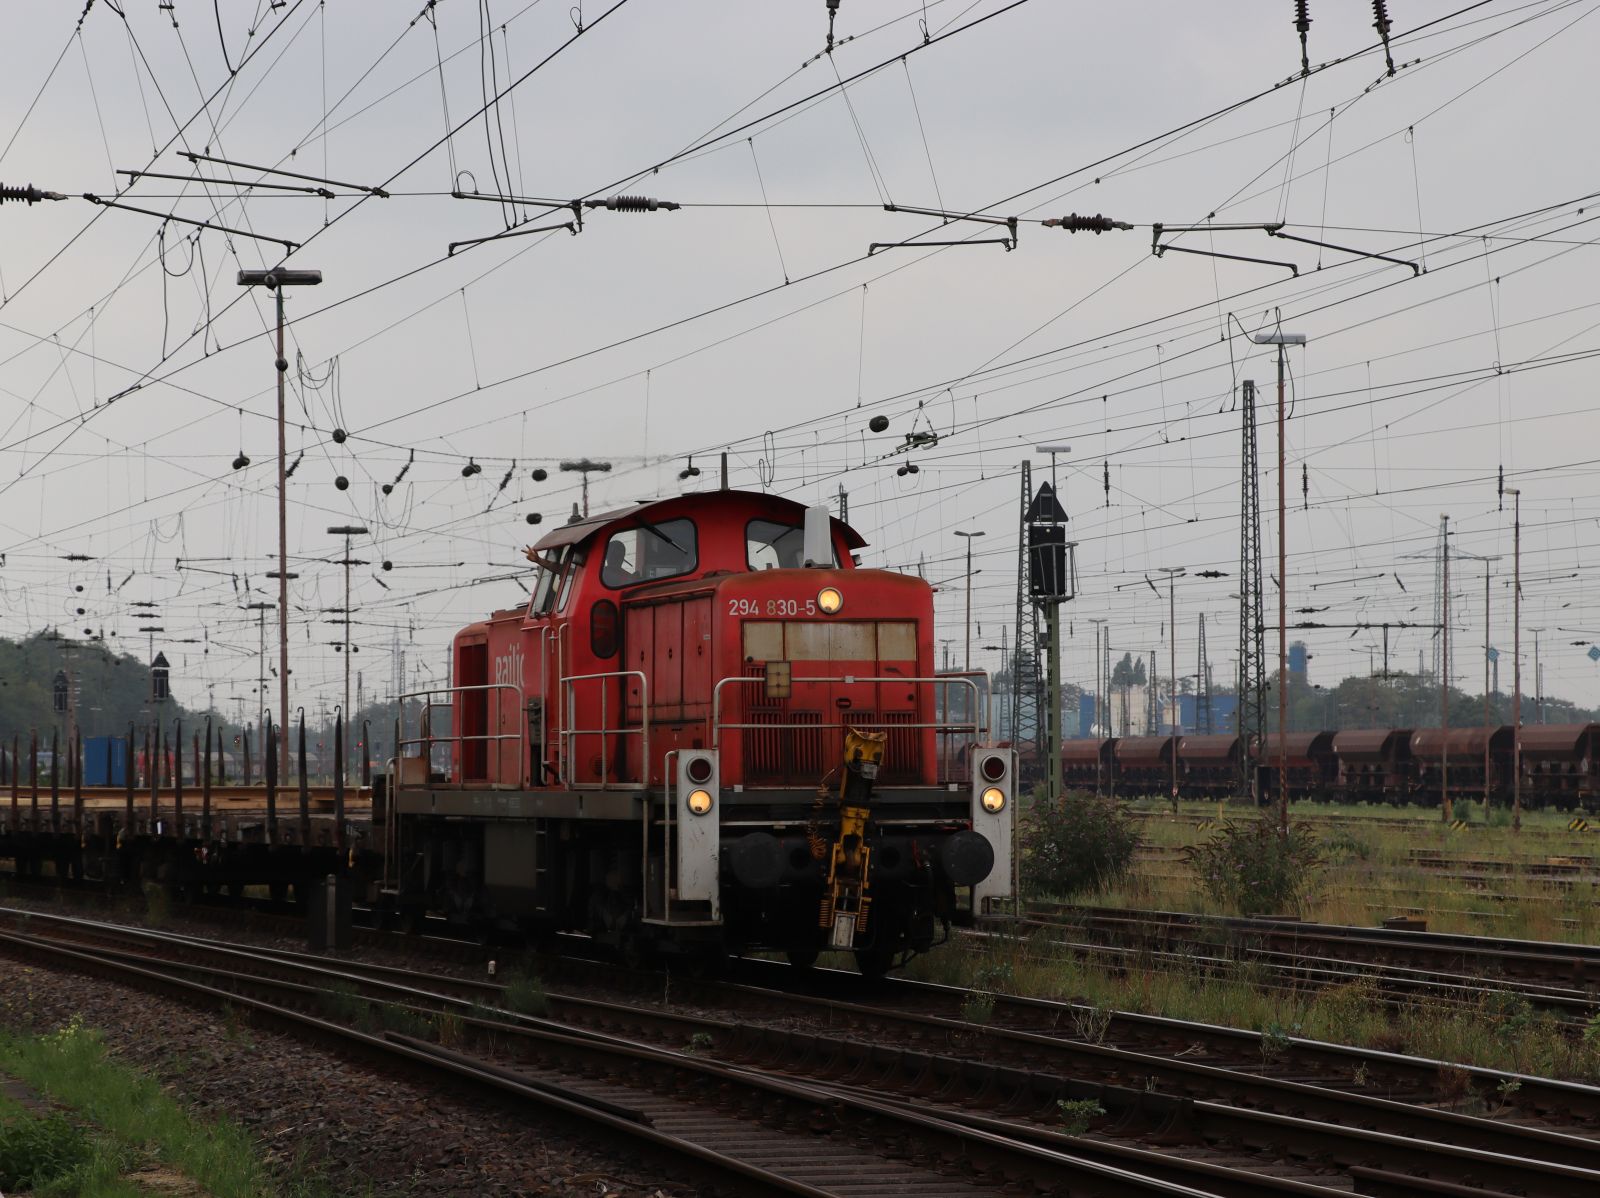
[(500, 352)]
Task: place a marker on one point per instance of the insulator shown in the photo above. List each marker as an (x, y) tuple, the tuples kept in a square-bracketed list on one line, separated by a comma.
[(878, 423), (32, 195), (1073, 223), (901, 472), (340, 436), (1302, 15), (621, 203), (1380, 13), (342, 483), (79, 588), (240, 462), (540, 474), (534, 517), (80, 611)]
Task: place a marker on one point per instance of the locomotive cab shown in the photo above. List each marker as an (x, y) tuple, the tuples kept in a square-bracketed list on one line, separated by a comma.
[(655, 750)]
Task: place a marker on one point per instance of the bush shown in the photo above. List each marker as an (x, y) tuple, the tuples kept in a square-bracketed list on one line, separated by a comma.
[(36, 1151), (1081, 845), (1253, 870)]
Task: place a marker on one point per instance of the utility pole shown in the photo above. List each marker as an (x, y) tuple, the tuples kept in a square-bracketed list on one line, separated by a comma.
[(1202, 685), (261, 610), (275, 280), (968, 537), (1282, 341), (347, 531), (1516, 658), (587, 466), (1252, 710), (1538, 679), (1487, 650), (1445, 812), (1173, 573)]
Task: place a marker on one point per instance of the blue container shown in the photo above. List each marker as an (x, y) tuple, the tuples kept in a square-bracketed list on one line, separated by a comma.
[(105, 761)]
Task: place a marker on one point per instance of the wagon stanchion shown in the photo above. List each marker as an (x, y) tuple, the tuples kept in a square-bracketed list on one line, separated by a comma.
[(177, 779), (77, 784), (128, 770), (205, 785), (338, 784), (152, 773), (305, 789), (33, 780), (269, 760), (55, 781), (16, 785), (366, 754)]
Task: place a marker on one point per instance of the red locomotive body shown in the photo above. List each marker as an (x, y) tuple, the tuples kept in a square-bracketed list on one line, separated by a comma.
[(664, 728)]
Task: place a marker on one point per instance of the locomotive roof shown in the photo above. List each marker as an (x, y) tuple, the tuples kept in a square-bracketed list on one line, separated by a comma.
[(756, 503)]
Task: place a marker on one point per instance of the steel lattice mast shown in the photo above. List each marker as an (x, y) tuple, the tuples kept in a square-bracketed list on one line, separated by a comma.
[(1252, 646), (1027, 697)]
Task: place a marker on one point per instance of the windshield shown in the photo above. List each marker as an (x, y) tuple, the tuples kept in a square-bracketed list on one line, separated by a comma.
[(553, 567), (769, 545), (649, 552)]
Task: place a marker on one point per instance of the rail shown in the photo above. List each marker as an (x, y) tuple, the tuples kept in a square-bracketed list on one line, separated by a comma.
[(494, 717), (570, 733)]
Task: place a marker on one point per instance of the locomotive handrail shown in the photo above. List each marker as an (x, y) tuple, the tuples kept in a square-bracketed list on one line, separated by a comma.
[(849, 680), (569, 734), (427, 739)]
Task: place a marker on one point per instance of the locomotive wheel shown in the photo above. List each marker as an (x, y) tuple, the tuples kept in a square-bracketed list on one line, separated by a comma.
[(802, 957), (874, 962)]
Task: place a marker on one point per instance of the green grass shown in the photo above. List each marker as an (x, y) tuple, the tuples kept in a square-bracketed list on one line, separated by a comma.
[(126, 1119), (1371, 871), (1500, 1032)]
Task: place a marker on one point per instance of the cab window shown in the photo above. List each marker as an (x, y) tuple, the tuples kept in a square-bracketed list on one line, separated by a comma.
[(769, 545), (556, 569), (649, 553)]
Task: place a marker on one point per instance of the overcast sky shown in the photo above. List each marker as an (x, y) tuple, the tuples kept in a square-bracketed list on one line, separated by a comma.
[(648, 337)]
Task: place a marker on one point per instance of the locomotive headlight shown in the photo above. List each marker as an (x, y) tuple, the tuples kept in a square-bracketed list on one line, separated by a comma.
[(830, 600), (994, 800), (699, 801)]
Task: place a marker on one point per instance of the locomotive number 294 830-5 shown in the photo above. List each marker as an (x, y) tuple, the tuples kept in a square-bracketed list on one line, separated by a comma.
[(772, 607)]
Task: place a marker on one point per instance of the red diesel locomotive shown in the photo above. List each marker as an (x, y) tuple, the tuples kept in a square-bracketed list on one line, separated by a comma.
[(707, 730)]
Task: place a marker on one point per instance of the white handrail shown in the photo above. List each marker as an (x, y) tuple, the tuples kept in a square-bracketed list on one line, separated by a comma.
[(570, 733)]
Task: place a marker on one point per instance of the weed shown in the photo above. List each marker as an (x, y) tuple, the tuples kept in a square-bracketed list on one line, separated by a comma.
[(396, 1018), (1080, 845), (1091, 1023), (1254, 868), (525, 993), (977, 1007), (451, 1031), (343, 1003), (157, 905), (1455, 1085), (1359, 1078), (1077, 1114), (1275, 1042), (997, 975), (35, 1151), (1507, 1087), (701, 1042)]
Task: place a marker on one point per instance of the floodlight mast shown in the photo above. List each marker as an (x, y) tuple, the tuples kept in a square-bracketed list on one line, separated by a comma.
[(275, 280), (1282, 340)]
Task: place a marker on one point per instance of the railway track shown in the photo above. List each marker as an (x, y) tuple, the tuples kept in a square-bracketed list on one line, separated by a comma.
[(1531, 967), (1217, 1127)]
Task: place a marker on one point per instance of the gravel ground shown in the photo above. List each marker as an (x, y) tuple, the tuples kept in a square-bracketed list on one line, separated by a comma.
[(364, 1131)]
